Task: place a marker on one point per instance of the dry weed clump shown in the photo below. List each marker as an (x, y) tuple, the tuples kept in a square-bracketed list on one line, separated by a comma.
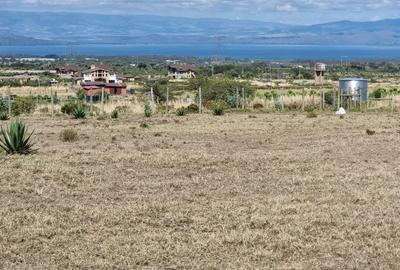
[(68, 135)]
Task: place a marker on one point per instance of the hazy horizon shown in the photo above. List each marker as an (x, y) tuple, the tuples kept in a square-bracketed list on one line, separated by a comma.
[(298, 12)]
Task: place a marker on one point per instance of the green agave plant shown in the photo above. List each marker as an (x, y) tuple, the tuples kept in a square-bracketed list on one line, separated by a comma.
[(181, 111), (79, 113), (16, 140), (4, 116), (114, 114)]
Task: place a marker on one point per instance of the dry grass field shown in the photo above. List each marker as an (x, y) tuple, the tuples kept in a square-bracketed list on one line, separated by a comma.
[(274, 191)]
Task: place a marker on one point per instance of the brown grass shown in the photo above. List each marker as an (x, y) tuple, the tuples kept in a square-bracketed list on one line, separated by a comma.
[(277, 191)]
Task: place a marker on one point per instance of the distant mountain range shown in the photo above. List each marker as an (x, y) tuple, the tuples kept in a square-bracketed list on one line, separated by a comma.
[(46, 28)]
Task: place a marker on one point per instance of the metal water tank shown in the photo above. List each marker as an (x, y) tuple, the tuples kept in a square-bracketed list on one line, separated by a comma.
[(358, 87)]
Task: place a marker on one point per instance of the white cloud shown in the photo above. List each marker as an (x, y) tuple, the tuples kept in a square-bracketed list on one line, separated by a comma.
[(286, 8)]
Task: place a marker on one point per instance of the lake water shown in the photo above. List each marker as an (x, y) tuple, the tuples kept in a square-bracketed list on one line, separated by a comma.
[(260, 52)]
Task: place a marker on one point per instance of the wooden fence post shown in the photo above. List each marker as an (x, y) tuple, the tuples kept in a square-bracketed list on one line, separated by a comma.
[(302, 99), (152, 94), (52, 103), (91, 103), (237, 97), (102, 99), (200, 101), (9, 101), (167, 107), (243, 99)]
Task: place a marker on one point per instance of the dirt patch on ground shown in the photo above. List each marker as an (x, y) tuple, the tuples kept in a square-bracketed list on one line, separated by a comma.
[(274, 191)]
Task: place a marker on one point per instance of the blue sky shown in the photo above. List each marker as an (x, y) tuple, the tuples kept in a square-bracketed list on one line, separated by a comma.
[(294, 11)]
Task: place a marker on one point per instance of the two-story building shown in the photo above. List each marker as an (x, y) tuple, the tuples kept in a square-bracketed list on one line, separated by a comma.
[(67, 71), (99, 77), (181, 71)]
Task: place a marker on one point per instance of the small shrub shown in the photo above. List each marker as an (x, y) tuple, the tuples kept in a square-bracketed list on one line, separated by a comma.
[(44, 110), (4, 116), (81, 94), (192, 108), (102, 117), (329, 98), (378, 93), (312, 114), (69, 107), (114, 114), (147, 110), (23, 105), (79, 113), (218, 110), (69, 135), (370, 132), (293, 106), (310, 108), (144, 125), (122, 109), (16, 139), (181, 111), (258, 106)]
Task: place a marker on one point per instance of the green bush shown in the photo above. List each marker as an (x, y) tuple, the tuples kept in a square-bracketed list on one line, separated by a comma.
[(271, 95), (23, 105), (4, 116), (181, 111), (192, 108), (329, 98), (68, 135), (69, 107), (114, 114), (223, 89), (218, 109), (147, 109), (16, 140), (79, 113), (378, 93), (3, 105), (81, 94), (310, 108)]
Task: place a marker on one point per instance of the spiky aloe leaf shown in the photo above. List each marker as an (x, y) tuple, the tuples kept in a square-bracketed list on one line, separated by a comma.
[(16, 139), (4, 116), (79, 113)]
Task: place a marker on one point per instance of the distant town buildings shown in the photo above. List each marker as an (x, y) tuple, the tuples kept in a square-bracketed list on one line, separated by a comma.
[(181, 71)]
